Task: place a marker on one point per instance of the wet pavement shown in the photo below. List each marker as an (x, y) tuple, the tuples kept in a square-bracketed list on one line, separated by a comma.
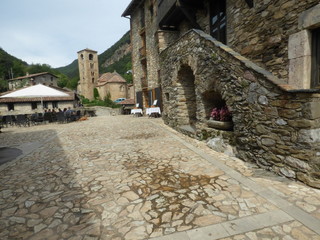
[(121, 177)]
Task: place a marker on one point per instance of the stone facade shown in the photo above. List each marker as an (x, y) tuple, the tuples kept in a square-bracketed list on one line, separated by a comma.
[(88, 72), (145, 54), (275, 111), (32, 79)]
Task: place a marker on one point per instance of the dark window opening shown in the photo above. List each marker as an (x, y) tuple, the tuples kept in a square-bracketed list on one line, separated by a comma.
[(90, 56), (151, 10), (54, 104), (92, 80), (139, 99), (315, 74), (218, 20), (45, 105), (142, 18), (167, 96), (10, 106), (81, 56), (34, 105)]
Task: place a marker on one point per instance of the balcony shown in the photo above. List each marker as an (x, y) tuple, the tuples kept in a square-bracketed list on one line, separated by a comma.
[(172, 12), (166, 9)]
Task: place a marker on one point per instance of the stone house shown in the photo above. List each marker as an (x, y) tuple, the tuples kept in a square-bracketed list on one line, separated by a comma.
[(44, 78), (115, 85), (259, 58)]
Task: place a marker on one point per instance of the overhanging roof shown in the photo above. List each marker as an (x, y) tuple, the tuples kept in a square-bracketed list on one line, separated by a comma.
[(131, 7)]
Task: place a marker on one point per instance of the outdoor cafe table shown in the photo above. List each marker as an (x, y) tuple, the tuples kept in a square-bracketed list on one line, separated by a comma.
[(136, 111), (153, 111)]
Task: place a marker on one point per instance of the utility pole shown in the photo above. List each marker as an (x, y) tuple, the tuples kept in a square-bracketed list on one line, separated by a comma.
[(11, 74)]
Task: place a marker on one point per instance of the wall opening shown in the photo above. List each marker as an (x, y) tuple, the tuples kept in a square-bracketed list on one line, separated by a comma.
[(212, 99), (186, 96)]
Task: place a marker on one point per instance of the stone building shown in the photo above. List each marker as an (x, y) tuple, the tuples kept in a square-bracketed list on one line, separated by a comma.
[(113, 84), (88, 72), (258, 58), (145, 55), (44, 78)]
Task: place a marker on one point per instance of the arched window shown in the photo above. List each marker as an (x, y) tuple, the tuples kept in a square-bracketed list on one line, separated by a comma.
[(90, 56), (81, 56)]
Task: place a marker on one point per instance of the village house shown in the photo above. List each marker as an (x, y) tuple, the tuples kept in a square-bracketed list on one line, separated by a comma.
[(44, 78), (260, 59)]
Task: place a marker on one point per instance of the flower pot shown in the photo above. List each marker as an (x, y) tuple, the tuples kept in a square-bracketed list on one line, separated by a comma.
[(220, 125)]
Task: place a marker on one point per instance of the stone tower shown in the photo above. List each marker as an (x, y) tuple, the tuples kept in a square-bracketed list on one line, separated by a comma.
[(88, 72)]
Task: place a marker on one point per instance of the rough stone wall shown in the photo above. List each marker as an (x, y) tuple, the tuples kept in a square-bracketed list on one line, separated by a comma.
[(273, 126), (151, 43), (136, 43), (260, 33)]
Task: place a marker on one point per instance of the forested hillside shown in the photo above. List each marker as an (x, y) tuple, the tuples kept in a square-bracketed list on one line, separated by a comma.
[(117, 57), (10, 65)]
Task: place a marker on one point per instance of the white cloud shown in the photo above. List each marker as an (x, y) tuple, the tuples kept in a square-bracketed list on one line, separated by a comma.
[(52, 32)]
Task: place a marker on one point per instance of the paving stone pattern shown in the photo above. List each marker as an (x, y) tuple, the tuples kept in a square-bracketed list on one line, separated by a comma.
[(120, 177)]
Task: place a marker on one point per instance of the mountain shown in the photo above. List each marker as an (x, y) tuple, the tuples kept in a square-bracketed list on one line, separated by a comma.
[(11, 65), (117, 57)]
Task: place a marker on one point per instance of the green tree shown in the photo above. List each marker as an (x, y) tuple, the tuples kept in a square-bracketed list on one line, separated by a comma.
[(63, 80), (73, 83), (38, 68), (96, 94), (3, 85)]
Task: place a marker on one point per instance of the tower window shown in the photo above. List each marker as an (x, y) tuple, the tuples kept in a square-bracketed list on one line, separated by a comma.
[(90, 56), (92, 80)]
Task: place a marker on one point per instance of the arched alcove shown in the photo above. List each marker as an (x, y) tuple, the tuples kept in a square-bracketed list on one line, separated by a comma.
[(186, 97), (212, 99)]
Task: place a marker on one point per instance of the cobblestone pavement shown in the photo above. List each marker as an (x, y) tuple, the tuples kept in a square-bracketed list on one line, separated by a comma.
[(121, 177)]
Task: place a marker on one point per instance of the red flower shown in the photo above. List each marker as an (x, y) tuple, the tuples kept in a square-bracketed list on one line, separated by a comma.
[(223, 114)]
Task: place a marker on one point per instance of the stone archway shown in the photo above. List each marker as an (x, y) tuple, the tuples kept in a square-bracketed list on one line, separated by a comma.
[(186, 97)]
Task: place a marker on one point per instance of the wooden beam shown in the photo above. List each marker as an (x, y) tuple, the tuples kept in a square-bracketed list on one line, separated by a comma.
[(250, 3)]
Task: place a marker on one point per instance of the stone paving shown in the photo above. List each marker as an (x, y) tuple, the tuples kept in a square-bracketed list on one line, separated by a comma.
[(120, 177)]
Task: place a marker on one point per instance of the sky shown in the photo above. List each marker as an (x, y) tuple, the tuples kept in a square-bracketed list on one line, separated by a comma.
[(53, 31)]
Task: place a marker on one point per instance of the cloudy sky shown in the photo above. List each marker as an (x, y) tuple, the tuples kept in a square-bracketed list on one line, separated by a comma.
[(53, 31)]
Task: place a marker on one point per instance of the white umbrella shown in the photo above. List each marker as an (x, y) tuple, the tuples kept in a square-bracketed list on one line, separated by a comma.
[(38, 90)]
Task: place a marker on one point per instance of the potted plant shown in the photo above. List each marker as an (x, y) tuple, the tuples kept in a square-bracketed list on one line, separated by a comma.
[(220, 118)]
